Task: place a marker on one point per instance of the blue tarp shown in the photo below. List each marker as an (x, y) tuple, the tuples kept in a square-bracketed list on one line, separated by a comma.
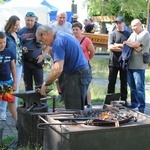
[(52, 8)]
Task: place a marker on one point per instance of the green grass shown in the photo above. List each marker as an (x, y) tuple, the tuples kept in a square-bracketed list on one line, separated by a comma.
[(6, 141), (98, 92), (99, 68), (9, 139), (147, 75)]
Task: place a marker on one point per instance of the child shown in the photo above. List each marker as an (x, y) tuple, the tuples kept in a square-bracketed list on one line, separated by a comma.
[(7, 75)]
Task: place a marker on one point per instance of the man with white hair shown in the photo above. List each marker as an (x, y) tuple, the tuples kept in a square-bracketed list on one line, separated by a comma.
[(61, 24)]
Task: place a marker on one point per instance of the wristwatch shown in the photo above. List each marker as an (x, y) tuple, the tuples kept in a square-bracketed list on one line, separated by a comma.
[(45, 84)]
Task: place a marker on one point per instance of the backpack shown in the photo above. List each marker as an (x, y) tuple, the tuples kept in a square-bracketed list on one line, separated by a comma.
[(125, 56)]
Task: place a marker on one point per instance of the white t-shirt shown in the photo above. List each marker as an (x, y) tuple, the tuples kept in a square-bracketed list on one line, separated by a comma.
[(67, 27)]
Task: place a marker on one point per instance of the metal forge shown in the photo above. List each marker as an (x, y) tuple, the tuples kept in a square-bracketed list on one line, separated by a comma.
[(85, 131), (28, 133)]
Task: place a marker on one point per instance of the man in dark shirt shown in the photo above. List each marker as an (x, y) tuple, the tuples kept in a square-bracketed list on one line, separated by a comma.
[(115, 44), (89, 27), (74, 18), (32, 52)]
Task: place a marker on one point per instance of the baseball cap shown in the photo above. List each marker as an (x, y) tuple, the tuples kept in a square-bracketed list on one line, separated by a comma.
[(119, 19), (30, 14), (74, 16)]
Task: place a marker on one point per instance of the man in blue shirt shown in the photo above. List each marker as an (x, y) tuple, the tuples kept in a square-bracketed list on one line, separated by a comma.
[(69, 63)]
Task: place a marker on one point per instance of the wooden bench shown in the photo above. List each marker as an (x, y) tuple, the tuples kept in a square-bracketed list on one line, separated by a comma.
[(99, 40)]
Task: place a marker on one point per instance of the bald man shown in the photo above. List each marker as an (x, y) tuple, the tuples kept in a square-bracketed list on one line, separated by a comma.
[(140, 41), (61, 24)]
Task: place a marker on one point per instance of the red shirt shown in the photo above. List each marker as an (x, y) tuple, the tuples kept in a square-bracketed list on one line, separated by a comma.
[(85, 44)]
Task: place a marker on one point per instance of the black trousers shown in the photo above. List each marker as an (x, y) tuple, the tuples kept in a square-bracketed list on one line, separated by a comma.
[(113, 72), (74, 88), (32, 74)]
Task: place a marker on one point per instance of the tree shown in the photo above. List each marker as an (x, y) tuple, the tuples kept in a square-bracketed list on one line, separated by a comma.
[(1, 1), (128, 8)]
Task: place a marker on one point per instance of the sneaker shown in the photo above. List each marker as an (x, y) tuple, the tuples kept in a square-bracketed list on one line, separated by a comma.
[(89, 106), (130, 106), (3, 115), (141, 111), (127, 104), (59, 98), (135, 109)]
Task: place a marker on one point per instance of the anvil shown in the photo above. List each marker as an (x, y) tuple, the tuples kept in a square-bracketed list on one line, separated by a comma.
[(32, 98)]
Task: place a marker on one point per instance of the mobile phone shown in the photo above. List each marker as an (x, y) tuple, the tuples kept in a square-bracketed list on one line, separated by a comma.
[(30, 50)]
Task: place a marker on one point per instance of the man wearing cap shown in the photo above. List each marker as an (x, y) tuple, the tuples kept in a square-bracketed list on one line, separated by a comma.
[(115, 45), (89, 26), (32, 52), (74, 18)]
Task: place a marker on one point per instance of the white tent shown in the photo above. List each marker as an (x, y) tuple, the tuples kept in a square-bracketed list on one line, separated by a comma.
[(21, 7), (66, 5)]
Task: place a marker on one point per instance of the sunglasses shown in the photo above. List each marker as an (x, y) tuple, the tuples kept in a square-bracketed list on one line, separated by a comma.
[(30, 14)]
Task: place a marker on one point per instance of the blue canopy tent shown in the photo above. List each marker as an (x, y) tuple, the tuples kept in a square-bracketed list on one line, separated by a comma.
[(6, 1), (54, 10)]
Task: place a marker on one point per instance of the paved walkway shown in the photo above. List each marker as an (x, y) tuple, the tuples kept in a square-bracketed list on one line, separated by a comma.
[(9, 126)]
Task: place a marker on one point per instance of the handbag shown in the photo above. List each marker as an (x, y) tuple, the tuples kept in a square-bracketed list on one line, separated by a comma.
[(146, 57)]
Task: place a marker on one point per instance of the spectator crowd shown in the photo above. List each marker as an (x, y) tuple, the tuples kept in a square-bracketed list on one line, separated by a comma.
[(22, 53)]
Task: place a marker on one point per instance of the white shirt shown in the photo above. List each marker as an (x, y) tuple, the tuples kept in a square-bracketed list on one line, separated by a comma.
[(67, 27)]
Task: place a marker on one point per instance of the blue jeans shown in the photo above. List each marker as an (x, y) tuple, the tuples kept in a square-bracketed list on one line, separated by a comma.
[(136, 81)]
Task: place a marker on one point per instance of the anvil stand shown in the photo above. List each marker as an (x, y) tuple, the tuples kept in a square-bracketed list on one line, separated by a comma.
[(28, 133)]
